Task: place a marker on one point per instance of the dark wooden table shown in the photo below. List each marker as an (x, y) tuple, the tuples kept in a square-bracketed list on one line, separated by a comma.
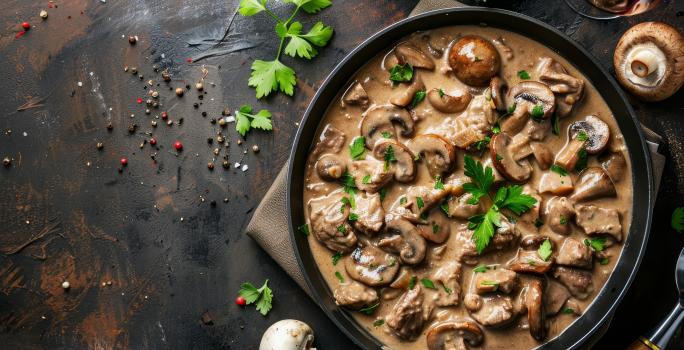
[(152, 263)]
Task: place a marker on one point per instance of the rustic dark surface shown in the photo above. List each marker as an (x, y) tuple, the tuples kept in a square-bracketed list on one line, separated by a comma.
[(175, 262)]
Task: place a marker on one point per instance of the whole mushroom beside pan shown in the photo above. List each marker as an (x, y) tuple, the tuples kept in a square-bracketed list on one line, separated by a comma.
[(288, 335), (649, 60)]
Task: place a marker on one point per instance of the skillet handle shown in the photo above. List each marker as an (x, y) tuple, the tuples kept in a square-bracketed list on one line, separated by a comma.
[(642, 344)]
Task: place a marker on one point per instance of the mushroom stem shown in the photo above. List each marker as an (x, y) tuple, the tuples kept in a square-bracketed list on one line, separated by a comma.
[(643, 63)]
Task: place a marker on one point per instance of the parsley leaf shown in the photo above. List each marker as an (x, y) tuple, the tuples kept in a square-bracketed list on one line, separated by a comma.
[(386, 134), (582, 136), (389, 156), (582, 161), (383, 193), (447, 289), (341, 229), (310, 6), (559, 170), (427, 283), (368, 310), (245, 120), (349, 183), (420, 203), (445, 207), (269, 76), (403, 200), (568, 311), (378, 323), (441, 93), (304, 229), (300, 44), (522, 74), (481, 268), (339, 276), (263, 297), (251, 7), (366, 179), (537, 112), (357, 149), (596, 244), (336, 258), (545, 250), (435, 228), (418, 98), (484, 230), (481, 179), (482, 144), (439, 185), (412, 282), (516, 201), (677, 221), (400, 73)]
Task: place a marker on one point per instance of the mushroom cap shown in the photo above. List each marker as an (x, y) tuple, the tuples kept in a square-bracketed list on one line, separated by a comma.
[(443, 334), (331, 167), (287, 335), (371, 266), (405, 240), (504, 161), (474, 60), (649, 60), (446, 103), (529, 93), (596, 131), (404, 97), (437, 152), (404, 169), (382, 119), (497, 90), (407, 53)]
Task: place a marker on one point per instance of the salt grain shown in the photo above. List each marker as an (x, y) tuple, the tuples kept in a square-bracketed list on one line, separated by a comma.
[(237, 165), (245, 167), (230, 119), (79, 84)]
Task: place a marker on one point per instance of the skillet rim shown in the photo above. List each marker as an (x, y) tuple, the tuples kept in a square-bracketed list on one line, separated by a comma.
[(602, 307)]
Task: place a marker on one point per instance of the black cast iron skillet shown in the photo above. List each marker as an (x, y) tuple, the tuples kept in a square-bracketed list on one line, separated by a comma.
[(612, 292)]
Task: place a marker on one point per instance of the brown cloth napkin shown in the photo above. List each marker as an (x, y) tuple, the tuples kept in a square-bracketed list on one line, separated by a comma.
[(269, 225)]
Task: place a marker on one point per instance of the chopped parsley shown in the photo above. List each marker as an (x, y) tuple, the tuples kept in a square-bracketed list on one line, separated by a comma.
[(342, 229), (366, 179), (481, 268), (677, 220), (383, 194), (559, 170), (402, 200), (378, 323), (604, 261), (304, 229), (447, 289), (496, 128), (353, 217), (439, 185), (386, 134), (427, 283), (401, 73), (582, 136), (412, 282), (418, 98), (336, 258), (349, 183), (545, 250), (555, 124), (482, 144), (596, 244), (537, 112), (568, 311), (522, 74), (494, 284), (420, 203), (435, 228), (389, 156), (368, 310), (357, 149), (245, 120), (582, 162), (339, 276), (445, 207), (441, 93)]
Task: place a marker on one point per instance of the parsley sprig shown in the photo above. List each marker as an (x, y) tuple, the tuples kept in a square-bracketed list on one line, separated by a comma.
[(262, 297), (270, 76), (245, 120), (677, 220), (506, 197)]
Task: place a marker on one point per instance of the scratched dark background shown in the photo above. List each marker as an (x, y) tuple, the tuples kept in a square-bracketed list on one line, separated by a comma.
[(175, 262)]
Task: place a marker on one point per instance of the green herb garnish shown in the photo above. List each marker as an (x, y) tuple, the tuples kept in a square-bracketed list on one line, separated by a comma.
[(427, 283), (559, 170), (339, 276), (262, 297), (418, 98), (545, 250), (245, 120), (304, 229), (400, 73), (336, 258), (522, 74)]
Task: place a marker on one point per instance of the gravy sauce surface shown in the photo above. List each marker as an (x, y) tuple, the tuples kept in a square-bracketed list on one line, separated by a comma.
[(577, 272)]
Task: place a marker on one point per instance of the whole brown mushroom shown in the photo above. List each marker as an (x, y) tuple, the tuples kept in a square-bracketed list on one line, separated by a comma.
[(474, 60), (649, 60)]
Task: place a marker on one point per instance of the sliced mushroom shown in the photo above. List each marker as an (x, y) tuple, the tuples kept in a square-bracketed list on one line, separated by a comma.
[(534, 301), (529, 261), (331, 167), (594, 130), (437, 153), (474, 60), (437, 229), (542, 155), (529, 98), (403, 279), (647, 60), (379, 120), (355, 295), (558, 214), (405, 240), (371, 266), (504, 161), (568, 89), (593, 183), (454, 335), (329, 222), (554, 183), (404, 97), (615, 166), (397, 157), (407, 53), (406, 318), (437, 43), (355, 96), (370, 175), (497, 91), (447, 103)]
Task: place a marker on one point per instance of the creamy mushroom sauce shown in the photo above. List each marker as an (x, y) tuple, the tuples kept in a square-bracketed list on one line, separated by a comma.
[(438, 307)]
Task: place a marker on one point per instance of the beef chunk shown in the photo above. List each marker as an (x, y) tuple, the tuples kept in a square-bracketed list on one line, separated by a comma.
[(494, 311), (595, 220), (355, 295), (406, 317), (499, 280), (373, 171), (555, 297), (371, 215), (529, 261), (449, 276), (329, 222), (577, 281), (574, 253)]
